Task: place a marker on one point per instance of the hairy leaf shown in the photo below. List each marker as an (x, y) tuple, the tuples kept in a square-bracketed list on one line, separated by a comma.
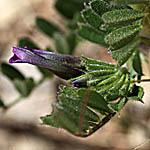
[(92, 18), (74, 111), (123, 54), (100, 6), (122, 15), (122, 36), (85, 109), (91, 34)]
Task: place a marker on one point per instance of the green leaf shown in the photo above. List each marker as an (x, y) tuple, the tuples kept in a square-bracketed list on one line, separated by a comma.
[(61, 43), (122, 36), (119, 105), (91, 34), (78, 109), (92, 18), (122, 16), (74, 111), (137, 93), (137, 64), (100, 6), (68, 8), (46, 26), (95, 101), (72, 42), (24, 87), (92, 64), (11, 72), (25, 41), (49, 120), (123, 54), (129, 65)]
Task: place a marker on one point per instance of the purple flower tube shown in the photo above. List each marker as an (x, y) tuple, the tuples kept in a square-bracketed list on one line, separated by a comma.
[(64, 66)]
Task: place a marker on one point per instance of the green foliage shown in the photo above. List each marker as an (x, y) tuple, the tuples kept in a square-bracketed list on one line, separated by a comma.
[(11, 72), (61, 43), (137, 93), (122, 36), (64, 43), (24, 87), (103, 88), (92, 35), (114, 26), (22, 84), (76, 111), (106, 79), (68, 8), (122, 15), (124, 53), (137, 64), (84, 110), (46, 26), (71, 39)]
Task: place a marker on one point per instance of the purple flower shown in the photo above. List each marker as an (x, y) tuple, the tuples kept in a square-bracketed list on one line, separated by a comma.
[(64, 66)]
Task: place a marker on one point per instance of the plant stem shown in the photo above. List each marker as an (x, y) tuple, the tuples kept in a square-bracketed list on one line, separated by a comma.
[(143, 80)]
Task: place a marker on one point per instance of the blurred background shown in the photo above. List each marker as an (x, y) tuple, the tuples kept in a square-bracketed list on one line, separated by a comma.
[(20, 125)]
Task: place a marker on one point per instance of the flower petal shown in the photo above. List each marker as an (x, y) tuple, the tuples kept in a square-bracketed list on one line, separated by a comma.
[(65, 66)]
